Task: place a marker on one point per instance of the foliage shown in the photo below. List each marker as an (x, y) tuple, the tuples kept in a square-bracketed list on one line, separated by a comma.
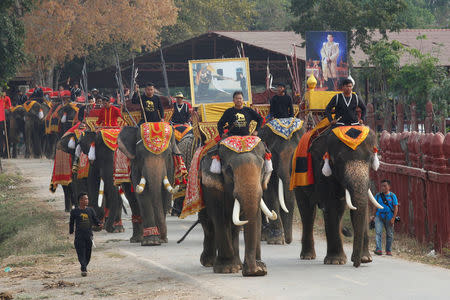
[(359, 18), (11, 37), (57, 31), (272, 15), (417, 15), (200, 16)]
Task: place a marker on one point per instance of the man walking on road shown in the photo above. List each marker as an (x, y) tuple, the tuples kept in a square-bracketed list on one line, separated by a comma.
[(385, 217), (83, 217)]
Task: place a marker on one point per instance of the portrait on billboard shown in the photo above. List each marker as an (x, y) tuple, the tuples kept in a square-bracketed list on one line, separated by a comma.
[(326, 58), (215, 80)]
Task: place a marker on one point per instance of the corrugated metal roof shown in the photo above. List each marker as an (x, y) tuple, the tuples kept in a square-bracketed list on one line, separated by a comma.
[(437, 42)]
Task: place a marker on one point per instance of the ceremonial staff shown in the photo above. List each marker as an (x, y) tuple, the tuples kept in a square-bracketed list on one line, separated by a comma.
[(7, 142), (120, 85)]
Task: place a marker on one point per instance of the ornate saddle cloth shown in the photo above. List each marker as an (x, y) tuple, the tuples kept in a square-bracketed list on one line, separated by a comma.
[(28, 105), (52, 120), (121, 168), (181, 130), (352, 136), (62, 169), (285, 127), (156, 136), (241, 144), (109, 137), (83, 166)]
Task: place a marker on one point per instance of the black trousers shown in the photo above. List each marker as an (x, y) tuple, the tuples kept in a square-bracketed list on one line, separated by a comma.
[(3, 149), (83, 245)]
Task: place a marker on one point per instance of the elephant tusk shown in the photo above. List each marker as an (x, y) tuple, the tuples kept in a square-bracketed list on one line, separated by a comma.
[(169, 187), (270, 214), (100, 193), (140, 187), (373, 200), (281, 196), (348, 199), (91, 153), (236, 213), (71, 144), (124, 198)]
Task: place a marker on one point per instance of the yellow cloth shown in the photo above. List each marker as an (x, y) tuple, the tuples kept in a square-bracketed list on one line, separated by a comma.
[(345, 134), (28, 105), (109, 137)]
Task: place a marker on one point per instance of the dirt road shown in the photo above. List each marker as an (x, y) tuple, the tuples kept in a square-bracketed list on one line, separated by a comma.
[(120, 270)]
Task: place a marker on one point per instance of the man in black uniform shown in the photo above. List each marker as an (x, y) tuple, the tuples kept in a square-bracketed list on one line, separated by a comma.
[(281, 104), (238, 118), (153, 108), (38, 94), (345, 105), (83, 217), (20, 98), (181, 113), (75, 92)]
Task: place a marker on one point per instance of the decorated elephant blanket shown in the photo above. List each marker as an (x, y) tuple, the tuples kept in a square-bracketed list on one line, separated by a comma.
[(109, 137), (29, 104), (302, 171), (62, 170), (193, 202), (352, 136), (241, 144), (121, 168), (156, 136), (83, 166), (285, 127), (181, 130), (51, 119)]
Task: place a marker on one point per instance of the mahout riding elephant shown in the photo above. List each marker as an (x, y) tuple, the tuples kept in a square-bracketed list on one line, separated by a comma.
[(281, 136), (340, 178), (151, 149), (243, 177), (34, 127), (101, 172), (16, 128)]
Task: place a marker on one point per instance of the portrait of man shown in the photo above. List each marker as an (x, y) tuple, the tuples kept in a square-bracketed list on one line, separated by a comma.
[(329, 55)]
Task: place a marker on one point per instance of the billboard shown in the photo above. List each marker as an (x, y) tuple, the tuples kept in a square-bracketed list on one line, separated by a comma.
[(215, 80), (327, 58)]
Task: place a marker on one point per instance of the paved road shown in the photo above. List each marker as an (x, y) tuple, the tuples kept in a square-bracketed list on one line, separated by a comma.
[(288, 276)]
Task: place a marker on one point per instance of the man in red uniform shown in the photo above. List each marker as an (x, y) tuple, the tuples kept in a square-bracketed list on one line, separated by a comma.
[(108, 114), (5, 103)]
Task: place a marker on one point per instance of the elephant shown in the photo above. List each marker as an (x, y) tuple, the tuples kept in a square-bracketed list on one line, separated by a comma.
[(65, 118), (16, 127), (278, 191), (341, 179), (151, 174), (34, 127), (240, 183), (101, 159)]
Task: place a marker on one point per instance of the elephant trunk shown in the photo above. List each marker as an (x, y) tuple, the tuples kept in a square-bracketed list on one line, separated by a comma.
[(356, 194)]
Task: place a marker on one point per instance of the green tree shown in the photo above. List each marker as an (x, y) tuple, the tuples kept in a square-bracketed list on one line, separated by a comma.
[(200, 16), (272, 15), (12, 35), (359, 18), (417, 15)]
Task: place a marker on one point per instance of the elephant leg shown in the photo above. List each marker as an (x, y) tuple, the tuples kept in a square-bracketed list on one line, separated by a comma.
[(366, 257), (118, 225), (333, 226), (67, 198), (274, 231), (36, 141), (225, 260), (135, 213), (308, 215), (360, 245), (112, 201), (235, 230), (209, 248), (150, 236), (93, 183)]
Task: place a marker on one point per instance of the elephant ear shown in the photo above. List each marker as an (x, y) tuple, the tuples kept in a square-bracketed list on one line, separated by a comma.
[(173, 146), (127, 141)]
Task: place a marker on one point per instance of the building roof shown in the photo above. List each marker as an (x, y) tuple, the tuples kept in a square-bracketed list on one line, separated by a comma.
[(437, 42)]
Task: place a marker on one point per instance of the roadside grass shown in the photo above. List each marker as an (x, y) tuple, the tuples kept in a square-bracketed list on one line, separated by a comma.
[(404, 245), (27, 226)]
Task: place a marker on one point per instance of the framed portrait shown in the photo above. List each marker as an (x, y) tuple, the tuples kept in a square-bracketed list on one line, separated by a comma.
[(215, 80), (327, 58)]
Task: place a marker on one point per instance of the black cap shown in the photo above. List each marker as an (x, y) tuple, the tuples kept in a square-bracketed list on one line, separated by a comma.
[(280, 84)]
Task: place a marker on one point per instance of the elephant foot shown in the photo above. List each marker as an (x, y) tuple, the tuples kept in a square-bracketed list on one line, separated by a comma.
[(96, 228), (207, 260), (275, 237), (136, 239), (225, 269), (109, 228), (365, 259), (338, 259), (67, 209), (287, 240), (151, 240), (164, 240), (118, 228), (309, 254), (259, 269)]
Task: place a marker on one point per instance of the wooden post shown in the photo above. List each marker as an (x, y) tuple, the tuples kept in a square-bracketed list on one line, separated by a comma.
[(413, 117), (400, 118), (429, 117)]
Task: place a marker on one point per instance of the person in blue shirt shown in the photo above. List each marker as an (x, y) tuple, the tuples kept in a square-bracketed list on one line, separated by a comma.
[(385, 217)]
